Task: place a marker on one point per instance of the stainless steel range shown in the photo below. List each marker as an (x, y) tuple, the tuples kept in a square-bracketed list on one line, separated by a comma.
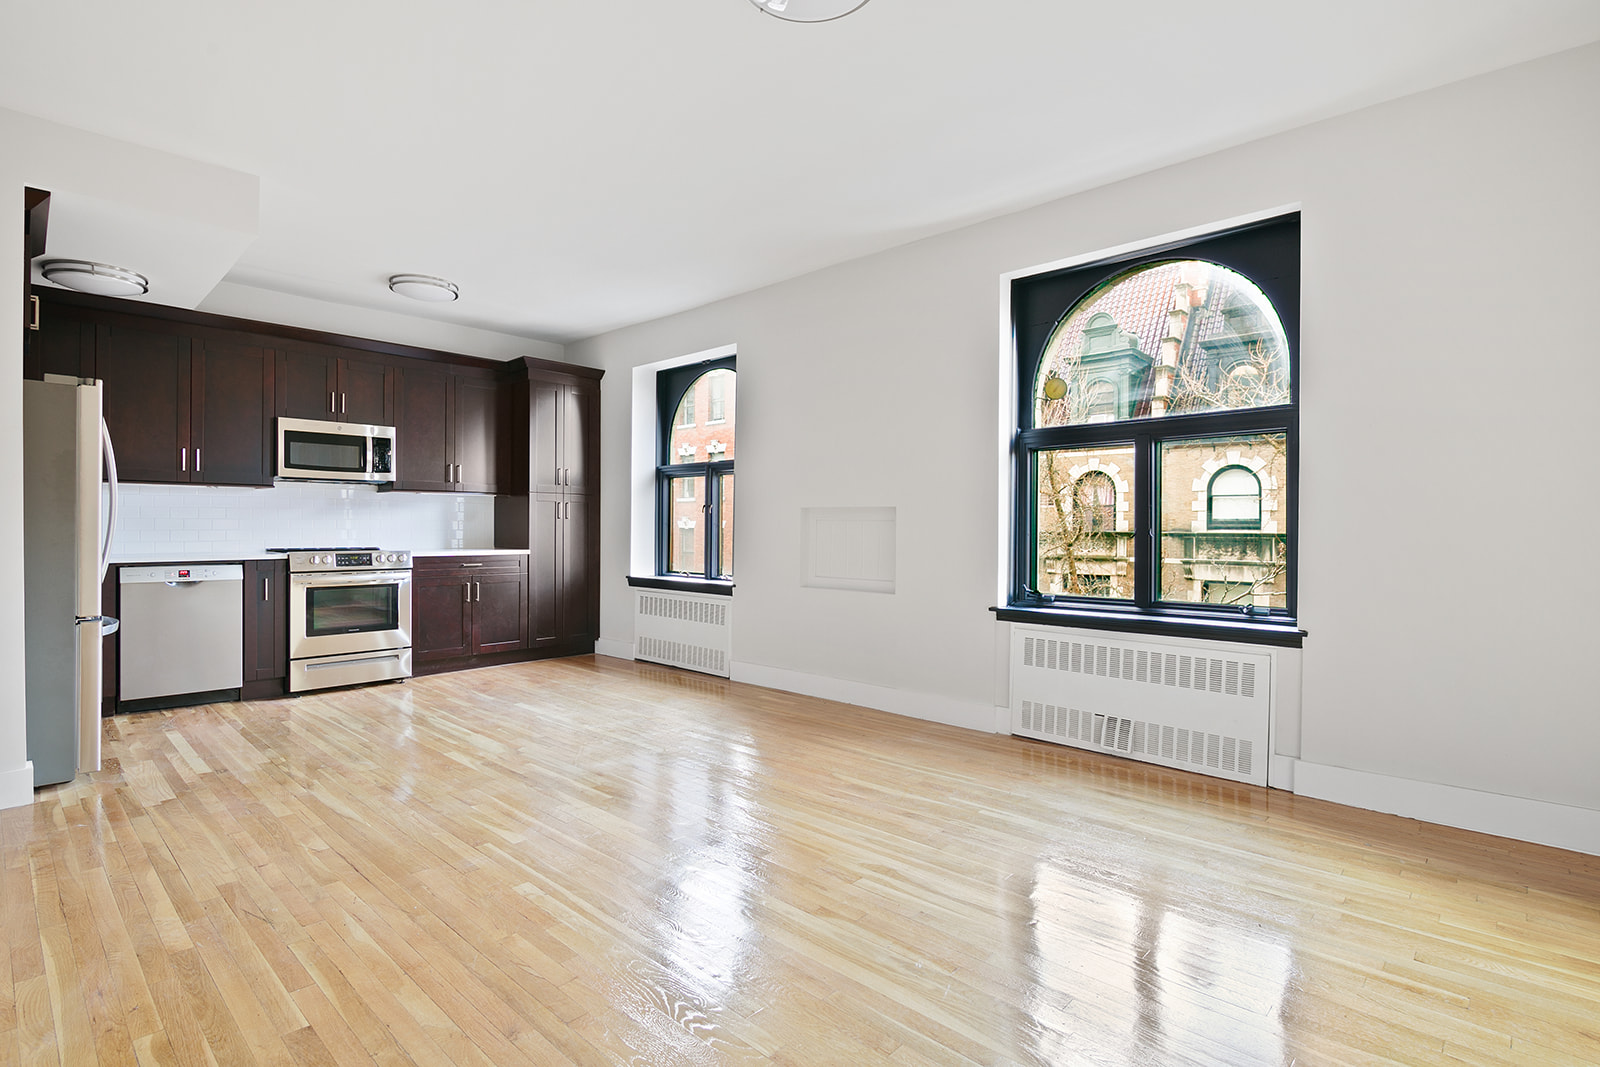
[(349, 616)]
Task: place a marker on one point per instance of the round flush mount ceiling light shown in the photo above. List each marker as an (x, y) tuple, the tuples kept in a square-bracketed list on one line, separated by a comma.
[(99, 278), (424, 287), (809, 10)]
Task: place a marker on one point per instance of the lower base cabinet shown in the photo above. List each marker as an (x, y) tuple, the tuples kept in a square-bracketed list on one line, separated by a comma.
[(266, 628), (464, 607)]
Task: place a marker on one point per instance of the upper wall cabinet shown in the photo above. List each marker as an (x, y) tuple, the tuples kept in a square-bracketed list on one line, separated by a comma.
[(448, 429), (192, 397), (321, 384), (186, 409), (146, 400), (563, 416)]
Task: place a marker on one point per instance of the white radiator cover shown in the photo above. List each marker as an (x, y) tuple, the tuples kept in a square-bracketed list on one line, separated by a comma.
[(689, 630), (1179, 704)]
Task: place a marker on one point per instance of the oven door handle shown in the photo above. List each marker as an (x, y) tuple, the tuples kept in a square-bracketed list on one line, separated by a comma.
[(306, 581)]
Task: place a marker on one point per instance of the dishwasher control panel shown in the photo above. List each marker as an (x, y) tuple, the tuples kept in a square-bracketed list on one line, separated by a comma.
[(210, 572)]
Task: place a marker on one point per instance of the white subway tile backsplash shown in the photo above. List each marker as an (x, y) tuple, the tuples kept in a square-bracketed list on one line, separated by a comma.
[(171, 520)]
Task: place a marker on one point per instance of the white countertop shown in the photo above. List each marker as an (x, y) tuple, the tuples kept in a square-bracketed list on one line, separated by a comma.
[(149, 559), (471, 552), (146, 559)]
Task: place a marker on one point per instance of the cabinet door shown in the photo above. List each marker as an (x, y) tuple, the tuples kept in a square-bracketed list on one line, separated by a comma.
[(441, 616), (63, 344), (545, 569), (580, 436), (425, 431), (500, 610), (307, 387), (146, 401), (545, 403), (365, 391), (477, 434), (266, 625), (231, 415), (580, 550)]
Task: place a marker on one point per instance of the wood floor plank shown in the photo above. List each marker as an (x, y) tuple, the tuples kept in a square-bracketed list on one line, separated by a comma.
[(594, 862)]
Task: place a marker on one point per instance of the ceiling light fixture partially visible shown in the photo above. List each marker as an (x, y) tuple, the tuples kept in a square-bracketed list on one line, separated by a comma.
[(102, 279), (424, 287), (809, 10)]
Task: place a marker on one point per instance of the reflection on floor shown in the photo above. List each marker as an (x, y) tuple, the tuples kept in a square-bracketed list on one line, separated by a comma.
[(597, 862)]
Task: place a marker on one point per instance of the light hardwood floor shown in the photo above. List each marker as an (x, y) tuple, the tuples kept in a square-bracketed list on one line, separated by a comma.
[(600, 862)]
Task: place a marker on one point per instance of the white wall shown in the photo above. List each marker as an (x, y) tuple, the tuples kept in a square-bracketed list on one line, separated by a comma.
[(1447, 355)]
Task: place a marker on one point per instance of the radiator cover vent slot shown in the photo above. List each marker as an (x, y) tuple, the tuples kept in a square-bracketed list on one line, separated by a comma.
[(688, 630), (1199, 709)]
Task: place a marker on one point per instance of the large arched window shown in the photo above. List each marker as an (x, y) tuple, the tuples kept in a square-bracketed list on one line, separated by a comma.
[(1175, 368), (694, 474)]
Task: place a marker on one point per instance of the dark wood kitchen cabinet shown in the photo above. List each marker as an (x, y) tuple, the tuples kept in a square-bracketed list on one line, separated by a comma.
[(186, 409), (448, 429), (231, 415), (551, 504), (564, 426), (321, 384), (146, 400), (563, 581), (464, 608), (266, 628)]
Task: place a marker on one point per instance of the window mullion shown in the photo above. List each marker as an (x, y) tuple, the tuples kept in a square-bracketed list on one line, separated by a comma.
[(1145, 521)]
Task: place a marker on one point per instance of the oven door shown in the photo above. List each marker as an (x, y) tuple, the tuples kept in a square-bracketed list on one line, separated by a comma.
[(331, 613)]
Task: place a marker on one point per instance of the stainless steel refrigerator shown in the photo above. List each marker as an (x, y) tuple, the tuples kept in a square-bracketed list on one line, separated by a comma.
[(66, 548)]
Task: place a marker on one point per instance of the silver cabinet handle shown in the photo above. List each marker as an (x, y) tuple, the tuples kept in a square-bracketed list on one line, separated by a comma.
[(458, 472), (33, 305), (449, 472), (330, 404), (197, 461), (266, 589), (472, 564), (477, 591), (341, 403), (183, 460)]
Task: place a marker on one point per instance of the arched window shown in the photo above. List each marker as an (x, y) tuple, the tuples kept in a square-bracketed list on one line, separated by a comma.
[(694, 474), (1174, 369), (1095, 496), (1233, 500)]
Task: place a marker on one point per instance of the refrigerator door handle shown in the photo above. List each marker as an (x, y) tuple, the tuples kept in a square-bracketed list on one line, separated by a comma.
[(110, 455)]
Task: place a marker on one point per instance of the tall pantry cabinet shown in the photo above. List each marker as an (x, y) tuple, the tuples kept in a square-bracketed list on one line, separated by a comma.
[(551, 506)]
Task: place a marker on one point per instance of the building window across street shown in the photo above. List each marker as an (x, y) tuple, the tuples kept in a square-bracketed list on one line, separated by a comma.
[(694, 474), (1157, 431)]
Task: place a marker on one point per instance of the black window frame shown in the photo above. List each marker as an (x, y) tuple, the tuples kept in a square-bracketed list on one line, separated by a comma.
[(671, 386), (1267, 253)]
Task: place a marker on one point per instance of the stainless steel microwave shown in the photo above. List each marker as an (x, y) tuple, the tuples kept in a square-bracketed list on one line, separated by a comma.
[(312, 450)]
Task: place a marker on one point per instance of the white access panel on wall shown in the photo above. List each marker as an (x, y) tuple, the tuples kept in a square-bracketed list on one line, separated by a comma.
[(1180, 704)]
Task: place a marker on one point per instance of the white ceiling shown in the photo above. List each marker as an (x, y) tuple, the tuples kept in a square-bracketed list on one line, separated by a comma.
[(578, 165)]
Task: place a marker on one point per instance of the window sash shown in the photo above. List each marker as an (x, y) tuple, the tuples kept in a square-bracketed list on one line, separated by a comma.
[(708, 526), (1144, 517)]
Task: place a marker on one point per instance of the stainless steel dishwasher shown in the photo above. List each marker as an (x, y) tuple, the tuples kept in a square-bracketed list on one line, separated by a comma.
[(182, 634)]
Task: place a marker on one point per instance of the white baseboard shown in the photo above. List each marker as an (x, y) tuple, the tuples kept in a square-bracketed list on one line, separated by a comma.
[(1538, 821), (1280, 772), (16, 786), (927, 706), (606, 646)]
